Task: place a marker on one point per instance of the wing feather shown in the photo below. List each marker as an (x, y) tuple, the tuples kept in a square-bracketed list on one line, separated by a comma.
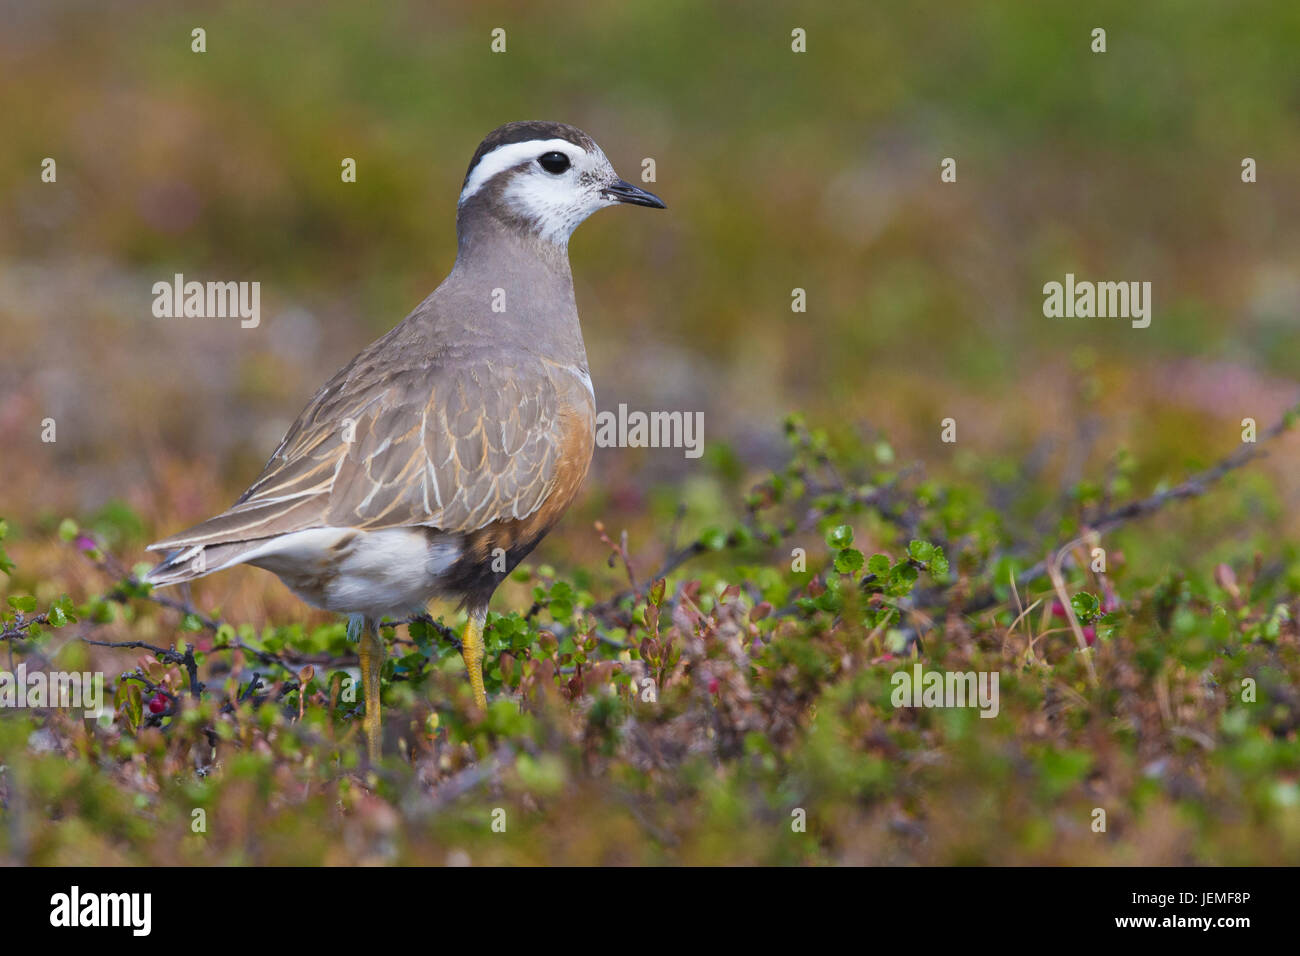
[(454, 445)]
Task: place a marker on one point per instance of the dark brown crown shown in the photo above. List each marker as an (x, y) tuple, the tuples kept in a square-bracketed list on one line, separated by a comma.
[(524, 131)]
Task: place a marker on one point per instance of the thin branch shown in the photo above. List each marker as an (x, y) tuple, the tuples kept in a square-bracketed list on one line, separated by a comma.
[(1194, 486)]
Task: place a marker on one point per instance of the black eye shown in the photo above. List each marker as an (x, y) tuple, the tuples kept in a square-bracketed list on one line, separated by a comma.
[(554, 162)]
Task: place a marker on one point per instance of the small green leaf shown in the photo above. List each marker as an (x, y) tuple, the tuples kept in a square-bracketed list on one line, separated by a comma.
[(841, 536), (23, 602), (879, 565), (849, 561), (562, 601), (714, 539), (901, 578), (129, 704), (1086, 607)]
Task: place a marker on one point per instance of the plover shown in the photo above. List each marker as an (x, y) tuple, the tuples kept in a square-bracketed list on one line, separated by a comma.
[(439, 457)]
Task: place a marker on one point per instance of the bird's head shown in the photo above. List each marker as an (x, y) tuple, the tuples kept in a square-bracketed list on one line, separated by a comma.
[(544, 179)]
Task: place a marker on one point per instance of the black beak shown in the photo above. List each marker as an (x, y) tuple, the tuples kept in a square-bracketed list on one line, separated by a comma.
[(623, 191)]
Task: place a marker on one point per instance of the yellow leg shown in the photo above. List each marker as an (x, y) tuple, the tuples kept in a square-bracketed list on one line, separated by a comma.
[(372, 661), (471, 648)]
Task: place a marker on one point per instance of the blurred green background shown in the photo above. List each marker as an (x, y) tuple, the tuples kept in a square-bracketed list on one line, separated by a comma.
[(817, 170)]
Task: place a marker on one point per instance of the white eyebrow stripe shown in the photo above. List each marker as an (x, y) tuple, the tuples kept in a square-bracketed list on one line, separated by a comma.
[(511, 155)]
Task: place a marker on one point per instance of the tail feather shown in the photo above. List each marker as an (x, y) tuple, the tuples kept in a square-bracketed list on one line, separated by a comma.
[(248, 522), (186, 564)]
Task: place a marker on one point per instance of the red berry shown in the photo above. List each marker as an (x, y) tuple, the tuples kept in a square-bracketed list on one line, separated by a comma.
[(713, 685), (1058, 609), (1090, 634), (157, 704)]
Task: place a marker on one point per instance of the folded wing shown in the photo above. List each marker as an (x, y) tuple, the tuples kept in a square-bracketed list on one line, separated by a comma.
[(449, 445)]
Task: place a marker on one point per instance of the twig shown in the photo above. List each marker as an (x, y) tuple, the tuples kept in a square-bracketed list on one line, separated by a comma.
[(1058, 583), (619, 550), (1197, 484)]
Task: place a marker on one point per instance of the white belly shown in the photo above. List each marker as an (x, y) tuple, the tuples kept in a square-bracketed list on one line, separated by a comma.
[(393, 572)]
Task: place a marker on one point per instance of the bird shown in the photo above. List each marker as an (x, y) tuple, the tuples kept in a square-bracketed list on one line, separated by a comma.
[(434, 462)]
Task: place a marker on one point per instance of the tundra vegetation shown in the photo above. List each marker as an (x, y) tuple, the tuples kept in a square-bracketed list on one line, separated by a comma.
[(728, 701)]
